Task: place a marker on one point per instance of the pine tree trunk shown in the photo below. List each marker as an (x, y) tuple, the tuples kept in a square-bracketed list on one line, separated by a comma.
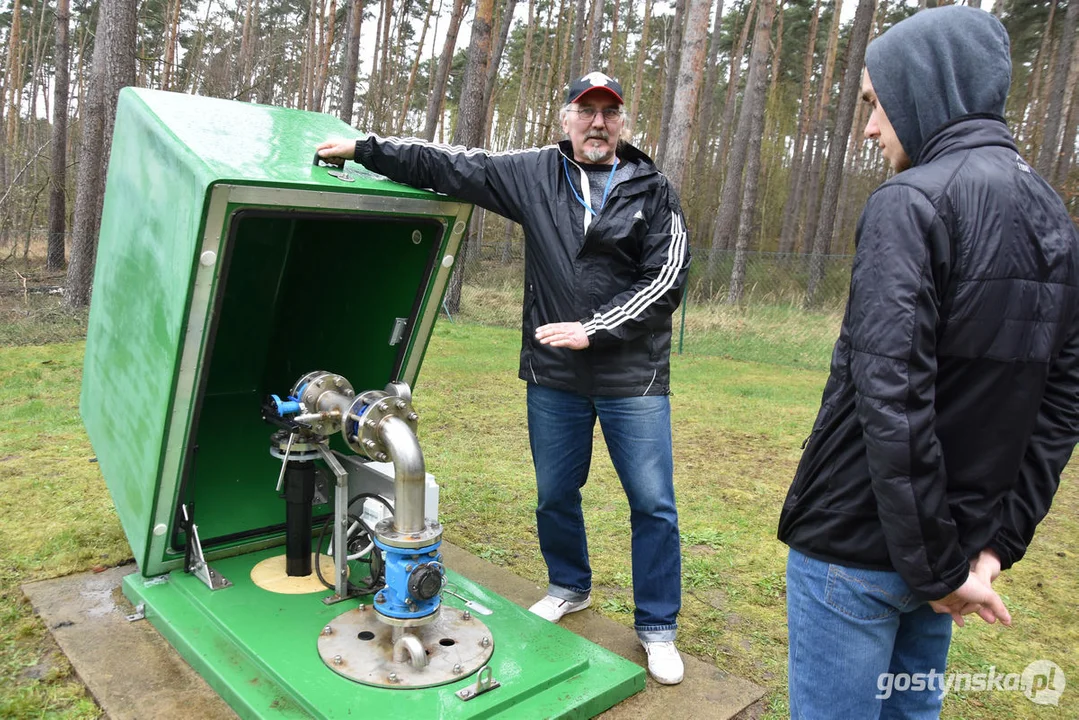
[(730, 104), (794, 196), (1050, 147), (471, 115), (674, 50), (1067, 147), (579, 17), (1031, 116), (58, 178), (496, 56), (820, 132), (434, 102), (848, 97), (638, 74), (415, 68), (703, 136), (753, 114), (613, 52), (519, 115), (595, 34), (688, 85), (351, 65), (726, 226)]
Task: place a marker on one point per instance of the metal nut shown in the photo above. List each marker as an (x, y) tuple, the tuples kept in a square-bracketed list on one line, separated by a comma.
[(337, 660), (383, 407), (393, 677), (401, 404), (413, 417), (467, 615), (485, 642), (457, 669), (327, 630)]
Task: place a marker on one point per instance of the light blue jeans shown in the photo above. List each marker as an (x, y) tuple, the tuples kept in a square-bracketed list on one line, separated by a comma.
[(857, 639), (638, 435)]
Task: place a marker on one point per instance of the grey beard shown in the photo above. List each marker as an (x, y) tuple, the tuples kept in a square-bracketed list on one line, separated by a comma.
[(596, 155)]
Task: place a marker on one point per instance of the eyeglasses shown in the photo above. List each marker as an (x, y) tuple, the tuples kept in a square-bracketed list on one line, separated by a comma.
[(588, 114)]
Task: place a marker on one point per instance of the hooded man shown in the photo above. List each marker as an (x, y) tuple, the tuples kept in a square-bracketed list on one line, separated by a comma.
[(953, 401), (606, 258)]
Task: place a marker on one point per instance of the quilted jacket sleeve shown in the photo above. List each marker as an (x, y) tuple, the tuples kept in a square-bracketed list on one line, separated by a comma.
[(900, 264), (1056, 431)]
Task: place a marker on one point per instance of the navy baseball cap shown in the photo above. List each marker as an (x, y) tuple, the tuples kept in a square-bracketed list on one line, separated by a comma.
[(593, 81)]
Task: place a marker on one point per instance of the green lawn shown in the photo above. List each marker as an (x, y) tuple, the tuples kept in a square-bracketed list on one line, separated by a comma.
[(738, 427)]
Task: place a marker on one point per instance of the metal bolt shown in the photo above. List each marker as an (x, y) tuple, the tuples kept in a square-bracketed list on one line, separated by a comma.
[(337, 660), (413, 417), (416, 237), (369, 423), (318, 384), (382, 457), (363, 607), (401, 404), (457, 669), (433, 553), (408, 568), (383, 407), (380, 598), (369, 444), (485, 642), (467, 615), (327, 630), (393, 677)]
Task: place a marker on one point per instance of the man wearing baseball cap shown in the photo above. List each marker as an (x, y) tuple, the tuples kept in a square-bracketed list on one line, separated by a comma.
[(606, 259)]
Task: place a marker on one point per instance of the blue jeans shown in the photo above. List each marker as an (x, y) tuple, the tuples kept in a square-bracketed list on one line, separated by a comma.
[(857, 638), (638, 435)]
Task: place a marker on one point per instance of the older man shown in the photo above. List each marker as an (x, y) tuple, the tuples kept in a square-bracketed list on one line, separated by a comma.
[(605, 262), (953, 401)]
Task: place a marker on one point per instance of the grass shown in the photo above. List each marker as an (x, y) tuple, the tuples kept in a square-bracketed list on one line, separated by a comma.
[(738, 427)]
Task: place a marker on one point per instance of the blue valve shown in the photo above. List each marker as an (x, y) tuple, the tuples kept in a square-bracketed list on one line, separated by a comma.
[(286, 407)]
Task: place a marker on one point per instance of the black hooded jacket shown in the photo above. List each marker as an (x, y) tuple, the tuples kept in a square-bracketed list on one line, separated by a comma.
[(620, 273), (953, 401)]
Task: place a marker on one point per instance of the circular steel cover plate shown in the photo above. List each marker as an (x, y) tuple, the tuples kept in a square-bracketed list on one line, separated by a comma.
[(359, 646)]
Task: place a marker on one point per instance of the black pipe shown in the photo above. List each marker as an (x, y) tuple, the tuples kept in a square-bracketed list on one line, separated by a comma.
[(299, 495)]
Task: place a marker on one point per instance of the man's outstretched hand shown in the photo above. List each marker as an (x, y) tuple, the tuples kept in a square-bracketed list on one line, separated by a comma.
[(343, 149)]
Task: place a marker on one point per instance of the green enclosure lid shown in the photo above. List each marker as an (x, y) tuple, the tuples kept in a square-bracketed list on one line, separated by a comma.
[(229, 266)]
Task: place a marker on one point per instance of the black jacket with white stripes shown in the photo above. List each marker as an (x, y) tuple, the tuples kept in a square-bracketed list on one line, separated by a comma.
[(620, 273)]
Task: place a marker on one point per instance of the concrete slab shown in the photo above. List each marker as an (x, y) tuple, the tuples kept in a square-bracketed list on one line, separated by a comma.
[(134, 674)]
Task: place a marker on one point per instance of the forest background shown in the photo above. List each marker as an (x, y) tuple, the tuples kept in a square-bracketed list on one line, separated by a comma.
[(750, 106)]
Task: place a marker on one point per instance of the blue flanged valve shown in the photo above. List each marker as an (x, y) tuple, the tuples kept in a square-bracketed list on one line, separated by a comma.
[(414, 579)]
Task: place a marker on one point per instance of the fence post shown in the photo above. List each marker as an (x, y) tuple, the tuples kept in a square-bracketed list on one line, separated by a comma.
[(682, 329)]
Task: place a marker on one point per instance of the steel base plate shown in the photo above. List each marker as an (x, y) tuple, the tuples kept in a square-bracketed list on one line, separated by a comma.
[(359, 646)]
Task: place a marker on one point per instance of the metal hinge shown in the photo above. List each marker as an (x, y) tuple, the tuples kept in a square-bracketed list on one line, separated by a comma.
[(197, 561), (139, 614)]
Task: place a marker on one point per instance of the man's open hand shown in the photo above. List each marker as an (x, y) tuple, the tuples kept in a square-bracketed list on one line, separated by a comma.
[(565, 334)]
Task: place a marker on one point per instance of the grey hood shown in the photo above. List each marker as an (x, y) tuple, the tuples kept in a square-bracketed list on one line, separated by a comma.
[(939, 66)]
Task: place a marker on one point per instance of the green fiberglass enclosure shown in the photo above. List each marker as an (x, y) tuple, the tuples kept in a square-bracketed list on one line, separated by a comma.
[(257, 327)]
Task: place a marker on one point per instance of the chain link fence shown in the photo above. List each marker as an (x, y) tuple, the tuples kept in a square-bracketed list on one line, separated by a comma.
[(771, 323)]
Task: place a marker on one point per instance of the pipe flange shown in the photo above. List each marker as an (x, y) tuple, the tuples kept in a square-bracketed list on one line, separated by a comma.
[(387, 535), (361, 428), (321, 391)]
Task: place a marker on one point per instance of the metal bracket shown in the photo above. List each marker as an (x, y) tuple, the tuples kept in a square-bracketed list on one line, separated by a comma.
[(197, 562), (484, 682), (159, 580), (139, 614), (398, 332)]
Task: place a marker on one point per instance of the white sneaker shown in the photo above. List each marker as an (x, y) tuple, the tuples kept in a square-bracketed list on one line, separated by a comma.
[(664, 662), (553, 608)]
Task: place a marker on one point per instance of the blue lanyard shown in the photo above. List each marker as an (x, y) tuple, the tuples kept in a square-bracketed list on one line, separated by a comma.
[(606, 190)]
